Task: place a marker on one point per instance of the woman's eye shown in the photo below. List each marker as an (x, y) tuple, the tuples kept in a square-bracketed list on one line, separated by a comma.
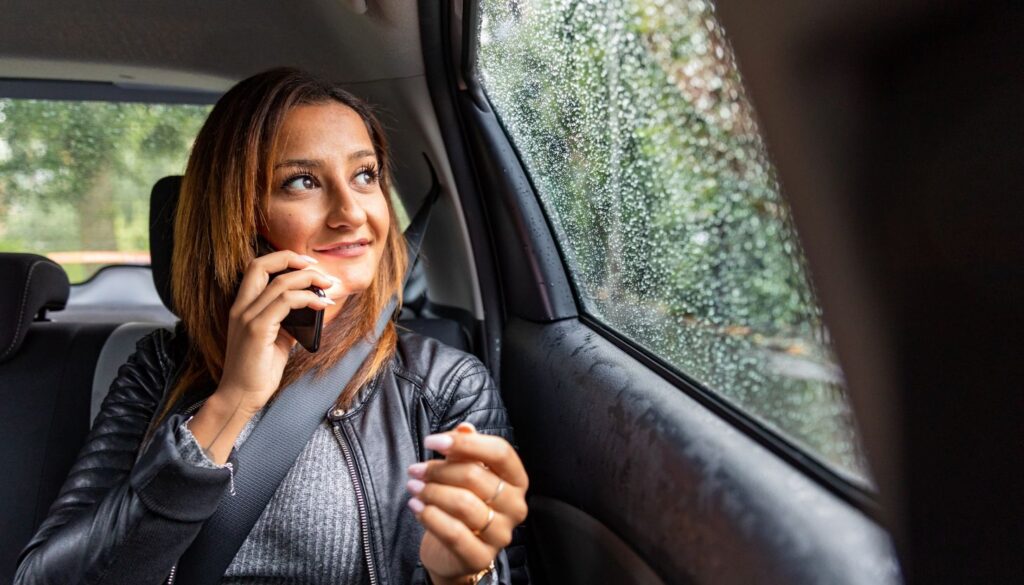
[(366, 177), (300, 183)]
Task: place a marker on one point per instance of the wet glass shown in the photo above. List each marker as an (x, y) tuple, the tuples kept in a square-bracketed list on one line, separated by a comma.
[(632, 121)]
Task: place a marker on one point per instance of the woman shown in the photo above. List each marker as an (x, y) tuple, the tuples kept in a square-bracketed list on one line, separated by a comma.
[(304, 165)]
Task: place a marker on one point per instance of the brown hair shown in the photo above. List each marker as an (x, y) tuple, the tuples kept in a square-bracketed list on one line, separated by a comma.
[(218, 215)]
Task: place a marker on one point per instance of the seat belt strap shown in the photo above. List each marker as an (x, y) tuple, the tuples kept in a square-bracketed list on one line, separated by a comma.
[(278, 439), (417, 227)]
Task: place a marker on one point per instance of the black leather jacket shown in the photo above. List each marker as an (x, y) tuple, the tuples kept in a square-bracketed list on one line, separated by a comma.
[(126, 515)]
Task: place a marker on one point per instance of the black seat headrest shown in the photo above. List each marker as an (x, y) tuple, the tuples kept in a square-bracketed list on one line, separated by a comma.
[(31, 283), (163, 201)]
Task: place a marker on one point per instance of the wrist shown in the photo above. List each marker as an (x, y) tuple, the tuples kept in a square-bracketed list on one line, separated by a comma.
[(219, 421), (229, 401)]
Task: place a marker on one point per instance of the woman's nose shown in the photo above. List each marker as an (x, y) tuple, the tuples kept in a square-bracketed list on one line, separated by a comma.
[(345, 210)]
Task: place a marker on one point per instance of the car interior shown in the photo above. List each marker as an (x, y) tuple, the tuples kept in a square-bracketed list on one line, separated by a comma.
[(893, 132)]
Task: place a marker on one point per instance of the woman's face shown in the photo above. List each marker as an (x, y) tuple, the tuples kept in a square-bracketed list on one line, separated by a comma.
[(326, 200)]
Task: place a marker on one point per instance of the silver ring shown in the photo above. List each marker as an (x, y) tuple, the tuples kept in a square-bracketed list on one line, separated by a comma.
[(497, 492)]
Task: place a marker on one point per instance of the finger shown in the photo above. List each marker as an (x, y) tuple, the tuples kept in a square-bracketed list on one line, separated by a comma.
[(494, 452), (464, 474), (298, 280), (466, 507), (257, 273), (270, 318), (492, 490), (474, 553), (337, 290)]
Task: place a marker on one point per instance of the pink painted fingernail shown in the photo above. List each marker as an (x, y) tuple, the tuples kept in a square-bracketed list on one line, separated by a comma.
[(309, 259), (415, 505), (438, 442), (418, 470), (415, 486)]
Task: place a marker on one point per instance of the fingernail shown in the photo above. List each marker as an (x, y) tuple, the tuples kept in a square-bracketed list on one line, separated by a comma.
[(415, 505), (418, 470), (438, 442), (328, 301), (415, 486), (334, 278), (309, 259)]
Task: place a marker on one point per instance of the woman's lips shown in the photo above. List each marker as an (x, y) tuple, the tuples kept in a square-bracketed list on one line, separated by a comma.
[(351, 250)]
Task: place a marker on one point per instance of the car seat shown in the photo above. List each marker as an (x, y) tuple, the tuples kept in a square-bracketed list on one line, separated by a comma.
[(46, 379)]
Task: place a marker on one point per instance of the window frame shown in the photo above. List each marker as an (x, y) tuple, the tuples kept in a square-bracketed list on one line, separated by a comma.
[(99, 91), (848, 487)]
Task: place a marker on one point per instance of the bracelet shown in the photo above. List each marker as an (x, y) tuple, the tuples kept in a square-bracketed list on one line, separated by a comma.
[(483, 574)]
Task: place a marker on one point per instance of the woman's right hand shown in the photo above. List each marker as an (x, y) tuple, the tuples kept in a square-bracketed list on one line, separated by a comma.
[(257, 345)]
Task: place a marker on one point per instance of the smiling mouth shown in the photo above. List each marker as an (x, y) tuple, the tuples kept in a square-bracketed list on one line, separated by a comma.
[(344, 246), (355, 249)]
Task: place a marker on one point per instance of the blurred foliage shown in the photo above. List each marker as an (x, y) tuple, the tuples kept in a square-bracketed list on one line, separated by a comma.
[(631, 118), (76, 176)]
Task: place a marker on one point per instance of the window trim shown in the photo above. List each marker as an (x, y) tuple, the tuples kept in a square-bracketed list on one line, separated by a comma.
[(98, 91), (848, 487)]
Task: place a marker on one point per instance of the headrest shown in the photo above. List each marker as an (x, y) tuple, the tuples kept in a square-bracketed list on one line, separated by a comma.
[(163, 202), (30, 283)]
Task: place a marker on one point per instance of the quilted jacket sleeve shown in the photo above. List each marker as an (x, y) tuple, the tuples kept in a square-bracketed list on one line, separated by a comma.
[(122, 516), (472, 396)]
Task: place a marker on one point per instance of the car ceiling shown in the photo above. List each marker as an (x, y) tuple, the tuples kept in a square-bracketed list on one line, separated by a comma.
[(372, 47), (204, 44)]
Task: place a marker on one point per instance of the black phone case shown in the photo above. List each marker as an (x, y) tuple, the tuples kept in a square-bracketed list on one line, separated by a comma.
[(305, 325)]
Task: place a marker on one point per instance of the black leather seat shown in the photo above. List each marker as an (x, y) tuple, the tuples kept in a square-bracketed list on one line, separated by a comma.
[(46, 384)]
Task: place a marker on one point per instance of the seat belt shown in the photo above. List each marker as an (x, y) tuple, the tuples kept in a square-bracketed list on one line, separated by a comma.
[(270, 451)]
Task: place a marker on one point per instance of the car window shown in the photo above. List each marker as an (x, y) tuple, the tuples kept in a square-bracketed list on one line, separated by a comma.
[(631, 119), (75, 177)]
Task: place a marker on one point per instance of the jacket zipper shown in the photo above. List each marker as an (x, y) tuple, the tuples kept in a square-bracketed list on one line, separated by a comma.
[(360, 497), (356, 484), (193, 407)]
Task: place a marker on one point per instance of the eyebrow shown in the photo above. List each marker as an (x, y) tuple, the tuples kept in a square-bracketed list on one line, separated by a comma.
[(305, 162)]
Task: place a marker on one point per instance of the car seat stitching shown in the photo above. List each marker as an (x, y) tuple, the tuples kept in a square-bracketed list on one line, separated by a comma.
[(21, 310)]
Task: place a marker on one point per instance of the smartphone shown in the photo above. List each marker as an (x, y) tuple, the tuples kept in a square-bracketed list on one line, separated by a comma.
[(305, 325)]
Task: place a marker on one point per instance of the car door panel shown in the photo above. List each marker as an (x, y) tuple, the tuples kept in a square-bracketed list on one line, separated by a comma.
[(700, 501), (576, 548)]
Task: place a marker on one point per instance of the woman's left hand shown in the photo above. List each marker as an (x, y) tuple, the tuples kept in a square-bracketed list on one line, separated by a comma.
[(453, 499)]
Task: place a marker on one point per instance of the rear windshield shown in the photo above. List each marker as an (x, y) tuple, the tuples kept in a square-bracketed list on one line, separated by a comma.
[(75, 177)]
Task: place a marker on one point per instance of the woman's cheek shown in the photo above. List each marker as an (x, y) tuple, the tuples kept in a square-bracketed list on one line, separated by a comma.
[(288, 229)]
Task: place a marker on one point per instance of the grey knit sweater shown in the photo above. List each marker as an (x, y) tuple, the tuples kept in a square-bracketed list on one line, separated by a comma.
[(309, 532)]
